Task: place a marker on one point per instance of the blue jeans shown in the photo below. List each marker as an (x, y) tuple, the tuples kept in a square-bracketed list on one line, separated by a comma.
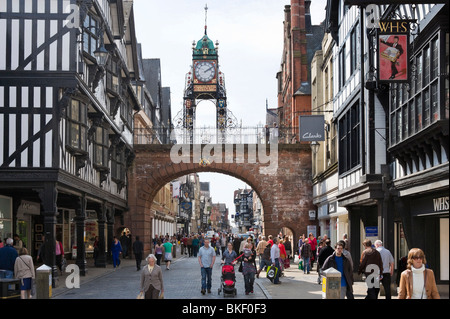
[(206, 278), (306, 265), (277, 276)]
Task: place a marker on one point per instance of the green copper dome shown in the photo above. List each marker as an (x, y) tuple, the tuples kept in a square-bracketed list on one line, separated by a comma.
[(205, 48)]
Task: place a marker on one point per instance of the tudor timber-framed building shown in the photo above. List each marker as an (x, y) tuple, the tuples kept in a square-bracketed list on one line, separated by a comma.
[(393, 166), (66, 122)]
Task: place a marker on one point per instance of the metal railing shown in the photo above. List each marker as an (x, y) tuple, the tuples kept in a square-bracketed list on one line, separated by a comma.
[(213, 135)]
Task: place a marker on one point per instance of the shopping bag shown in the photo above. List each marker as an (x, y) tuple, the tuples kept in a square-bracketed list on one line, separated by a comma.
[(140, 296), (271, 272), (300, 264), (296, 259), (287, 263), (161, 296)]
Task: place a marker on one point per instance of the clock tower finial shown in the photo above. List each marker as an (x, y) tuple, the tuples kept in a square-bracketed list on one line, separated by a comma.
[(206, 18)]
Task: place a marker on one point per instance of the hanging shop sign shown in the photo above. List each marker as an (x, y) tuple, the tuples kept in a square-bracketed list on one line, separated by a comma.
[(393, 50), (312, 128)]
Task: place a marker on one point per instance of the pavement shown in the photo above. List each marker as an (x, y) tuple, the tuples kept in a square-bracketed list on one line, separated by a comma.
[(295, 284)]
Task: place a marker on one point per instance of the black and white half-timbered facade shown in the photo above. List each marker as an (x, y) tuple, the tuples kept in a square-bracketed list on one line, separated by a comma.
[(66, 123), (393, 135)]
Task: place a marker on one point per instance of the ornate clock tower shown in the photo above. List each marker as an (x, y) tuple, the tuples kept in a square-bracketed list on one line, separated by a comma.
[(205, 81)]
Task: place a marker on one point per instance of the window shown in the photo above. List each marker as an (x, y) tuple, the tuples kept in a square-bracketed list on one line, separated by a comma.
[(416, 107), (118, 164), (349, 139), (354, 49), (342, 67), (126, 112), (77, 126), (101, 147), (90, 38), (112, 76)]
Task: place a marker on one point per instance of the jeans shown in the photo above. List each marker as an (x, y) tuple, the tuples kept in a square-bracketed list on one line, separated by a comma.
[(277, 276), (249, 279), (206, 278), (116, 259), (306, 265)]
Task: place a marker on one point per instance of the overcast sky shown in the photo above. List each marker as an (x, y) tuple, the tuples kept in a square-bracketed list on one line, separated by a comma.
[(250, 33)]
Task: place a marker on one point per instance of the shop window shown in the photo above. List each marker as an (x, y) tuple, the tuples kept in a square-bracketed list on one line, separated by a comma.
[(5, 217)]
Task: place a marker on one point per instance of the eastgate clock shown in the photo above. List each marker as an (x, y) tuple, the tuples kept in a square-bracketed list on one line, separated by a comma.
[(205, 71)]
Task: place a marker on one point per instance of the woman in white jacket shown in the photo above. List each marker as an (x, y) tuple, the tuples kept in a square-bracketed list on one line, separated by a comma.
[(24, 270)]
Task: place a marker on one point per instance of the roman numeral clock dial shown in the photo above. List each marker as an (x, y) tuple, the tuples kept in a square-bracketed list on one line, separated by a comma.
[(205, 71)]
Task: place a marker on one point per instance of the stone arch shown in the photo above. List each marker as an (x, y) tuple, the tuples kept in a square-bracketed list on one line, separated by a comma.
[(286, 196)]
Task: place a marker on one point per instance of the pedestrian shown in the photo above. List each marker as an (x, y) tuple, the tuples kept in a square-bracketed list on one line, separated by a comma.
[(371, 265), (417, 282), (59, 253), (338, 261), (152, 285), (301, 240), (325, 252), (313, 243), (223, 243), (24, 270), (183, 243), (158, 251), (275, 258), (347, 242), (124, 244), (195, 245), (18, 243), (168, 250), (388, 267), (261, 246), (288, 247), (41, 254), (138, 250), (264, 258), (116, 251), (229, 255), (217, 247), (189, 245), (248, 267), (346, 252), (206, 259), (96, 250), (8, 255), (306, 256), (236, 244)]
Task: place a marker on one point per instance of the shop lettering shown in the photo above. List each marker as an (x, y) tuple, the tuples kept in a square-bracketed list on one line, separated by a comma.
[(373, 21), (73, 279), (440, 204), (309, 135)]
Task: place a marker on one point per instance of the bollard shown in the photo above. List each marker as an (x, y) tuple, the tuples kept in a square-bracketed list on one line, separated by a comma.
[(331, 284), (44, 282)]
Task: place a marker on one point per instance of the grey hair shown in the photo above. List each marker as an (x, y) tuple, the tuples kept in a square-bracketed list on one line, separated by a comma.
[(151, 256), (9, 241)]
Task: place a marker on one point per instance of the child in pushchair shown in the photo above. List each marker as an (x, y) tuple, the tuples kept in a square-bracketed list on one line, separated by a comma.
[(228, 281)]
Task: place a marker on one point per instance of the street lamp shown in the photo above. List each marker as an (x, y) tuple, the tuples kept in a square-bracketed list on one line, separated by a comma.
[(101, 54), (314, 147)]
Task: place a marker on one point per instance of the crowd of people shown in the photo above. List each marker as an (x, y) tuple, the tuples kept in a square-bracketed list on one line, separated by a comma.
[(415, 279)]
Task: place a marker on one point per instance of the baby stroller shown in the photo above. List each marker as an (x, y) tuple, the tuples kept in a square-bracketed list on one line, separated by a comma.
[(228, 281)]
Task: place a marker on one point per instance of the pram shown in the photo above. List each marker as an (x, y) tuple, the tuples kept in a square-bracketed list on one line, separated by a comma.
[(228, 281)]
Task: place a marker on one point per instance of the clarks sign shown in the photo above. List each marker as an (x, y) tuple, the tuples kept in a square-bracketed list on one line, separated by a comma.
[(312, 128)]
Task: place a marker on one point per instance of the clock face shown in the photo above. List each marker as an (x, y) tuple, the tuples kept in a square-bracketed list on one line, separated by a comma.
[(205, 71)]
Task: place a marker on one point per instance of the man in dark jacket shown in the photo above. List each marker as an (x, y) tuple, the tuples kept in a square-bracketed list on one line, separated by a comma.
[(324, 253), (138, 250), (371, 265), (339, 262)]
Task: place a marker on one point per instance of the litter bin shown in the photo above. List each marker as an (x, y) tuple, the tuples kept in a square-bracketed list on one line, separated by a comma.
[(331, 284), (44, 282)]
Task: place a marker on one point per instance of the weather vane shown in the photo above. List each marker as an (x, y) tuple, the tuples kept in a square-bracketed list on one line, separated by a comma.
[(206, 17)]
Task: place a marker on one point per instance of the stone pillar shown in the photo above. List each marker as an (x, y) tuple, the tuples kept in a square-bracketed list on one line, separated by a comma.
[(80, 218)]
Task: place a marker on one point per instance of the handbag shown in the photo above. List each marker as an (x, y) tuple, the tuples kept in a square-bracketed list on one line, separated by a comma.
[(63, 264), (300, 264), (287, 263), (271, 272)]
